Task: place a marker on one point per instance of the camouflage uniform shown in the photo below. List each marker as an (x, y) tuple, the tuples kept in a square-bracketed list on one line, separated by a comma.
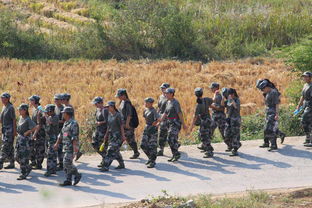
[(172, 111), (307, 114), (149, 138), (58, 112), (233, 123), (164, 125), (202, 112), (22, 148), (38, 145), (114, 123), (52, 130), (126, 110), (218, 117), (98, 135), (271, 125), (7, 118), (69, 133)]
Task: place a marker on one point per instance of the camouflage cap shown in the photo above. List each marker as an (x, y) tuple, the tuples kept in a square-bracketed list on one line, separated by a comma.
[(58, 97), (164, 85), (198, 91), (170, 90), (225, 92), (68, 110), (149, 100), (50, 108), (35, 98), (23, 106), (121, 92), (262, 84), (5, 95), (214, 85), (111, 103), (97, 100), (66, 96), (307, 74)]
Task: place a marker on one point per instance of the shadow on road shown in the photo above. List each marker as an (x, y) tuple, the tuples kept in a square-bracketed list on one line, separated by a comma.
[(290, 151), (16, 188)]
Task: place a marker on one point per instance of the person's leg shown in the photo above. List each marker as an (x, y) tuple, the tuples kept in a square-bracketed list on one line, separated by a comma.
[(129, 133), (173, 137), (163, 134)]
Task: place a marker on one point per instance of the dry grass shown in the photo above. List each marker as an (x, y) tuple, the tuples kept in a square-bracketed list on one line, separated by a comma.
[(87, 79)]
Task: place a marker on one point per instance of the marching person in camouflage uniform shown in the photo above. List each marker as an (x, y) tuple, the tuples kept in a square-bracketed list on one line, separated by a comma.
[(8, 121), (38, 138), (175, 118), (218, 114), (149, 138), (202, 119), (233, 121), (101, 116), (58, 111), (125, 108), (306, 104), (51, 127), (115, 136), (69, 136), (25, 128), (163, 126)]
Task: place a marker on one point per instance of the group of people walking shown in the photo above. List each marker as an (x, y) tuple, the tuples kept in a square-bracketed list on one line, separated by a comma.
[(53, 131)]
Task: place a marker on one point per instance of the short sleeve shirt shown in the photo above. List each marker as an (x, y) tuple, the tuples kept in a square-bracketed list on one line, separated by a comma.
[(217, 102), (125, 109), (24, 124), (173, 109), (202, 109), (58, 112), (52, 125), (272, 99), (150, 115), (307, 92), (69, 133), (233, 112), (101, 115), (7, 115), (114, 122), (162, 101)]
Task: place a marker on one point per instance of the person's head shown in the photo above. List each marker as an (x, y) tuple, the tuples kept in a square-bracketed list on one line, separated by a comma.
[(307, 76), (225, 92), (68, 113), (232, 92), (112, 106), (5, 98), (58, 99), (34, 100), (65, 98), (98, 102), (199, 93), (264, 85), (50, 109), (122, 94), (149, 102), (169, 93), (23, 110), (164, 86), (214, 86)]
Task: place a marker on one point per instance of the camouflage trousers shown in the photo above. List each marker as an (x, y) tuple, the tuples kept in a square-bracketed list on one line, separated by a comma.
[(51, 154), (113, 152), (163, 133), (218, 121), (307, 123), (7, 149), (97, 141), (173, 136), (37, 150), (60, 154), (22, 152), (129, 133), (205, 134), (232, 132), (270, 129), (149, 142), (69, 167)]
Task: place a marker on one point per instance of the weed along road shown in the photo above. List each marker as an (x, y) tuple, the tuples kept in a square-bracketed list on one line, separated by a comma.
[(254, 169)]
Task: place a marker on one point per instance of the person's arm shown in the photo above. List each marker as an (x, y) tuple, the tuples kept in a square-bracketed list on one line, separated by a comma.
[(181, 117), (195, 117), (14, 127), (300, 102), (58, 141), (75, 137), (32, 127)]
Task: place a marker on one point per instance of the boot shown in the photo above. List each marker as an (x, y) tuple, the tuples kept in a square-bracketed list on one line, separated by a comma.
[(234, 153), (160, 152), (170, 160), (66, 183), (104, 169), (176, 157), (208, 154), (77, 179), (21, 177), (272, 148), (200, 147), (28, 171), (229, 149), (120, 166), (38, 167), (60, 167), (10, 166), (283, 137), (148, 162), (151, 164), (265, 145)]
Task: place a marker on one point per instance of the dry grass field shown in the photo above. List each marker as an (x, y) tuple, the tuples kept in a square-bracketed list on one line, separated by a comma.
[(87, 79)]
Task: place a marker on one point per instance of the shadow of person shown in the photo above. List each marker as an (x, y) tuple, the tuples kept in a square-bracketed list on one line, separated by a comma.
[(16, 188), (290, 151)]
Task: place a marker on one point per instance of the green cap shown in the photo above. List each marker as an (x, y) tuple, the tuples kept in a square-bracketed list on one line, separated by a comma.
[(50, 108), (97, 100), (35, 98), (198, 91), (214, 85), (111, 103), (164, 85), (149, 100), (121, 92), (68, 110), (23, 106), (170, 90)]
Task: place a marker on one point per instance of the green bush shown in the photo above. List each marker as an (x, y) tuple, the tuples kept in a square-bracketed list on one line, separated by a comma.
[(301, 56)]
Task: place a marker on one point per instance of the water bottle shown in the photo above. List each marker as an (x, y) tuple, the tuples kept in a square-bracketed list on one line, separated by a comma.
[(102, 147), (297, 111)]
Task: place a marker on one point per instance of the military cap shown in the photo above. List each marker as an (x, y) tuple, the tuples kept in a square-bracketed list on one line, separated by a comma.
[(49, 108), (58, 97), (164, 85), (66, 96), (5, 95), (149, 100), (23, 106), (262, 84), (214, 85), (68, 110), (225, 92), (111, 103), (307, 74), (35, 98), (97, 100), (198, 91), (231, 91), (121, 92), (170, 90)]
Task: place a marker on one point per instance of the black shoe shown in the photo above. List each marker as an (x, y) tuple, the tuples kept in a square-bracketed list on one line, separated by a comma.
[(104, 169), (77, 179), (202, 151), (60, 167), (200, 147), (21, 177), (47, 174), (120, 166), (234, 153), (208, 155), (28, 171), (151, 164), (176, 158), (148, 162), (170, 160), (283, 138), (33, 164), (10, 166), (135, 155), (78, 155), (160, 153), (66, 183), (272, 148), (228, 149), (38, 167), (265, 145)]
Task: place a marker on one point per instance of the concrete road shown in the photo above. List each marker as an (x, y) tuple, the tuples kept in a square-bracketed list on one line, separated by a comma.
[(255, 168)]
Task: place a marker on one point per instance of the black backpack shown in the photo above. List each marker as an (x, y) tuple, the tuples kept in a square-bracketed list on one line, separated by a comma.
[(134, 121)]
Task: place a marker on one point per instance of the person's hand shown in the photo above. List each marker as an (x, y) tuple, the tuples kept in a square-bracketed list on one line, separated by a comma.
[(276, 117), (98, 123), (127, 126), (33, 136), (230, 97), (298, 107), (55, 147), (124, 139)]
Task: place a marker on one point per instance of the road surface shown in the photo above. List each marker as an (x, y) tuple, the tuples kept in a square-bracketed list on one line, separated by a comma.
[(255, 168)]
